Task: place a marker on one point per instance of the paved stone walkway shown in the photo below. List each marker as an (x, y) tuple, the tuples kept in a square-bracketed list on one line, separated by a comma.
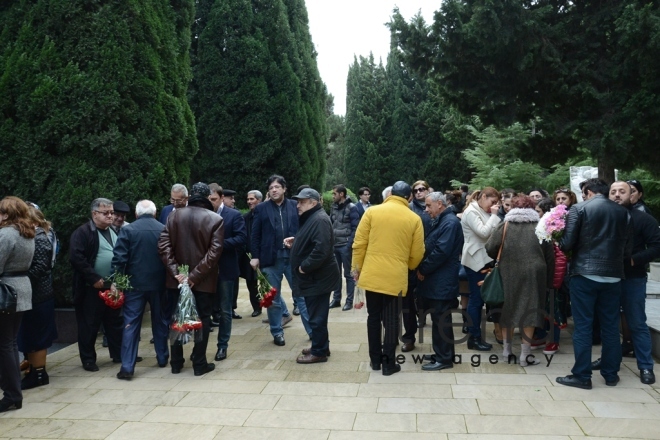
[(260, 392)]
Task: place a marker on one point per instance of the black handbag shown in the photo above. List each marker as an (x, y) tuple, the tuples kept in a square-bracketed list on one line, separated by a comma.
[(8, 298), (492, 292)]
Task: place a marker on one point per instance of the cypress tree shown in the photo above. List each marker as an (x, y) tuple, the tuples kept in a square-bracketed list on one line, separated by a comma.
[(93, 103), (257, 96)]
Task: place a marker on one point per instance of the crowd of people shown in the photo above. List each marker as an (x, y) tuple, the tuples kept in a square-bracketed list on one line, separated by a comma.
[(408, 255)]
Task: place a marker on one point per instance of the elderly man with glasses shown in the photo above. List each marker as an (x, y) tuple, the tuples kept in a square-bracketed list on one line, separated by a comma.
[(90, 253), (178, 199)]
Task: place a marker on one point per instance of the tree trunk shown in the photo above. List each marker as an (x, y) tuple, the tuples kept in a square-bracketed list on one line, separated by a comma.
[(606, 171)]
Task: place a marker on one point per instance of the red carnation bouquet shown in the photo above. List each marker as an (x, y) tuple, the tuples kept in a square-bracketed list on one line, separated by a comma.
[(114, 296), (186, 325), (265, 292)]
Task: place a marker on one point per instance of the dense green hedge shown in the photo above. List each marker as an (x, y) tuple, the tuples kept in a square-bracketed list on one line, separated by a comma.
[(93, 104)]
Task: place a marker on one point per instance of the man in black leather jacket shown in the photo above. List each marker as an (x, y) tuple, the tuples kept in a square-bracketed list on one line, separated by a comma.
[(599, 235)]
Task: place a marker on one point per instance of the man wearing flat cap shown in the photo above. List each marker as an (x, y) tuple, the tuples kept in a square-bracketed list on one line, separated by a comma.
[(121, 209), (389, 242), (314, 269), (228, 198)]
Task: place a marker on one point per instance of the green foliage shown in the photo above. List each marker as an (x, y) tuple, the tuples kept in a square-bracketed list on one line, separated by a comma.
[(587, 71), (651, 185), (326, 198), (257, 95), (398, 128), (497, 158), (93, 104)]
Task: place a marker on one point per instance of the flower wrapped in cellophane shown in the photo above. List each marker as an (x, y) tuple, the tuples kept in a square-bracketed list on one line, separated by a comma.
[(266, 293), (186, 325), (552, 224)]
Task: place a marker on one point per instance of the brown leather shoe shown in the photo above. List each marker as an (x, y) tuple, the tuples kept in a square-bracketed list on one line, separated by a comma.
[(307, 351), (311, 359), (408, 346)]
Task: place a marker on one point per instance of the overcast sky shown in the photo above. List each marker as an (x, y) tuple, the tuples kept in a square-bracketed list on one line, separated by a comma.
[(343, 28)]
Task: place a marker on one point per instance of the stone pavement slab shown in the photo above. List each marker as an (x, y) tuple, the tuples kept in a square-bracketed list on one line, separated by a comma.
[(260, 392)]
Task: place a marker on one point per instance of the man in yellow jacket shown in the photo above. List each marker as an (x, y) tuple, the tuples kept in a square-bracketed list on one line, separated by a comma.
[(389, 241)]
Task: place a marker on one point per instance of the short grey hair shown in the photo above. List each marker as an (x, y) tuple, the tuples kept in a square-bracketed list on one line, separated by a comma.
[(387, 192), (257, 194), (97, 203), (145, 207), (438, 197), (180, 188)]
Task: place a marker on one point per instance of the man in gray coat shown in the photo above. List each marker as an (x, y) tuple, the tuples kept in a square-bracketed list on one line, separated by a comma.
[(314, 269)]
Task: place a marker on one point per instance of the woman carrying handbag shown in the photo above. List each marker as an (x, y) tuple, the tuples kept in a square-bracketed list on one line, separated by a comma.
[(527, 269)]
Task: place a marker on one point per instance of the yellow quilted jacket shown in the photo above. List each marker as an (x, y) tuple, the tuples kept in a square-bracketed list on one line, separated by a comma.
[(389, 241)]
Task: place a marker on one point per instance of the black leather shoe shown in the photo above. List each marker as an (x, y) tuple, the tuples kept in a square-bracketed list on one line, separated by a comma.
[(595, 365), (6, 405), (613, 382), (478, 344), (235, 315), (206, 369), (347, 306), (391, 370), (256, 313), (647, 377), (124, 375), (90, 366), (163, 365), (279, 340), (221, 355), (375, 366), (296, 311), (436, 366), (176, 370), (464, 330), (572, 381), (335, 303), (151, 341)]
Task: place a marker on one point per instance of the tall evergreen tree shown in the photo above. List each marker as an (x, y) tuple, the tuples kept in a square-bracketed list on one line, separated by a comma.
[(257, 95), (367, 158), (93, 103)]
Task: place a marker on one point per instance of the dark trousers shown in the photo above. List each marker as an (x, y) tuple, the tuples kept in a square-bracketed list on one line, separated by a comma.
[(442, 332), (254, 291), (344, 256), (409, 311), (10, 373), (204, 302), (134, 306), (382, 312), (588, 299), (235, 294), (318, 307), (91, 312)]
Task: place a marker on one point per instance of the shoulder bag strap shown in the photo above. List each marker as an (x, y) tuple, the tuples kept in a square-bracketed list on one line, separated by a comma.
[(499, 253)]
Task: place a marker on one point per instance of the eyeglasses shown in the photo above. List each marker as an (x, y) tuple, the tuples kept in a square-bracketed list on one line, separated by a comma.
[(177, 200), (419, 190), (106, 213)]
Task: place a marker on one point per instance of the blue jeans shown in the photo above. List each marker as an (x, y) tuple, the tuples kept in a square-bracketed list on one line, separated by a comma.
[(588, 299), (225, 293), (344, 255), (633, 301), (476, 304), (278, 309), (134, 304)]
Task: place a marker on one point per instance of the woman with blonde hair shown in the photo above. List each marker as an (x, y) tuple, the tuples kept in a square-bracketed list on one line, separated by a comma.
[(16, 252), (479, 220)]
